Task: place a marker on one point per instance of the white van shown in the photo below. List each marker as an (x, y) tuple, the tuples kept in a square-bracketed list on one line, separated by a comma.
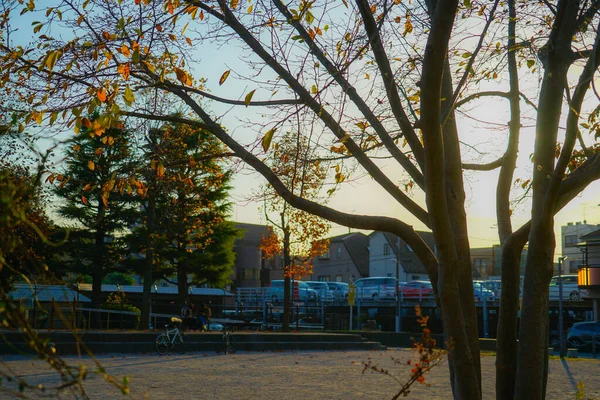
[(570, 288)]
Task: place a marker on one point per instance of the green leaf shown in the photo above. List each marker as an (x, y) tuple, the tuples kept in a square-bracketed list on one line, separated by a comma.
[(266, 140), (314, 89), (467, 3), (128, 96), (248, 98), (309, 17), (530, 63)]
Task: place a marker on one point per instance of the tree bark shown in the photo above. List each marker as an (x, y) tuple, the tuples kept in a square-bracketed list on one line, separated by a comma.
[(148, 266), (98, 271)]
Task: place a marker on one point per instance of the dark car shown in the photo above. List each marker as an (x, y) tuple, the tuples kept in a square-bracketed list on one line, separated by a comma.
[(581, 335)]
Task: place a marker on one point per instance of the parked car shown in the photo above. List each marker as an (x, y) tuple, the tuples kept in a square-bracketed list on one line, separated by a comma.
[(415, 290), (322, 289), (376, 288), (570, 288), (482, 293), (214, 326), (493, 285), (339, 290), (581, 334), (305, 292)]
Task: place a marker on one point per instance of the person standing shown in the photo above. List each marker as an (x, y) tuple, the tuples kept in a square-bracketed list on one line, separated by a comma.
[(204, 314)]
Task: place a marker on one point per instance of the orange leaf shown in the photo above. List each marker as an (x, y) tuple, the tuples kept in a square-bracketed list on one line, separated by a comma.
[(101, 95), (84, 200), (125, 50), (86, 123), (91, 165), (224, 77)]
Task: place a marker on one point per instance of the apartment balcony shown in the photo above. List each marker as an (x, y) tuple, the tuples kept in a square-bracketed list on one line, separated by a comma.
[(588, 277)]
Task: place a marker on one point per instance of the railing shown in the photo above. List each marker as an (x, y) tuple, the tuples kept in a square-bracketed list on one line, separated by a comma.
[(589, 276)]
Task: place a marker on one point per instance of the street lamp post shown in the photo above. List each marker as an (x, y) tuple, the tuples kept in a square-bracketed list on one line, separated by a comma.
[(397, 295), (561, 335)]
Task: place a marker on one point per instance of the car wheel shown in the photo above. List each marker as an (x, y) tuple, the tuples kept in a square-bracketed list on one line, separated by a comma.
[(554, 342), (575, 296)]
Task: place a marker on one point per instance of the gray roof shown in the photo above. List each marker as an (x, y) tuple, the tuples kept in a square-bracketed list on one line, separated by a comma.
[(157, 289), (408, 259), (45, 293), (591, 237), (253, 233), (357, 244)]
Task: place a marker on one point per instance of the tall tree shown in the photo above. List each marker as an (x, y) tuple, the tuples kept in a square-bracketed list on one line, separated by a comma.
[(195, 206), (295, 234), (92, 185), (182, 228), (389, 85)]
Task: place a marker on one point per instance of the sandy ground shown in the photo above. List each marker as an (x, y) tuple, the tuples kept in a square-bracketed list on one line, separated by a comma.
[(283, 375)]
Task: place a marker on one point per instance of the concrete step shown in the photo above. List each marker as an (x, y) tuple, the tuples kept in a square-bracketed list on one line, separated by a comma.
[(123, 342)]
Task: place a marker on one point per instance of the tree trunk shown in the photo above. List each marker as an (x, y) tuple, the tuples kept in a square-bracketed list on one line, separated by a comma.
[(456, 211), (506, 342), (287, 287), (148, 267), (182, 283), (533, 334), (98, 266)]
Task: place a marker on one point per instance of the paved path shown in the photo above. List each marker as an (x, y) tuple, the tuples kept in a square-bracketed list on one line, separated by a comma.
[(283, 375)]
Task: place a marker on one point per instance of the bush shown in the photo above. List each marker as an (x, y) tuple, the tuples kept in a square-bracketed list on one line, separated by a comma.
[(118, 301)]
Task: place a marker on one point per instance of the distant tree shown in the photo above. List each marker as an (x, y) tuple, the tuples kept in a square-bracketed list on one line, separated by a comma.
[(118, 278), (297, 235), (182, 227), (24, 227), (95, 191)]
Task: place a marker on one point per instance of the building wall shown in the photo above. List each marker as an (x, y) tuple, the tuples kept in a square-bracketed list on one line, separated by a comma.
[(335, 266), (382, 259), (570, 236)]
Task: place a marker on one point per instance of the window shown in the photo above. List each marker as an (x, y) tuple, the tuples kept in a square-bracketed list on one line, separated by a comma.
[(324, 256), (339, 278), (324, 278), (249, 273), (386, 249), (571, 240), (339, 252), (415, 277)]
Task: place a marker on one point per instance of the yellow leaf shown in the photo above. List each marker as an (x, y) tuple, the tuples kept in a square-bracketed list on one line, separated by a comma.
[(160, 171), (39, 117), (91, 165), (224, 77), (125, 50), (182, 76), (266, 140), (248, 98), (314, 89), (250, 8), (124, 70), (52, 58)]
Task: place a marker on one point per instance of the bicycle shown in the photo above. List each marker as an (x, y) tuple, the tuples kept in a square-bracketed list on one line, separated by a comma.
[(228, 341), (172, 339)]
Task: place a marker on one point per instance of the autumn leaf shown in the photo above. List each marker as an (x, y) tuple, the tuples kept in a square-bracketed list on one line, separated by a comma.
[(86, 123), (105, 201), (84, 200), (91, 165), (160, 170), (248, 98), (125, 50), (234, 4), (183, 76), (101, 94), (51, 59), (224, 77), (266, 140), (408, 27), (124, 70)]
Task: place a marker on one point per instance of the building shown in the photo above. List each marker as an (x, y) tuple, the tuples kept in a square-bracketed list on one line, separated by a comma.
[(386, 249), (348, 258), (251, 268), (571, 236), (589, 271), (484, 260)]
